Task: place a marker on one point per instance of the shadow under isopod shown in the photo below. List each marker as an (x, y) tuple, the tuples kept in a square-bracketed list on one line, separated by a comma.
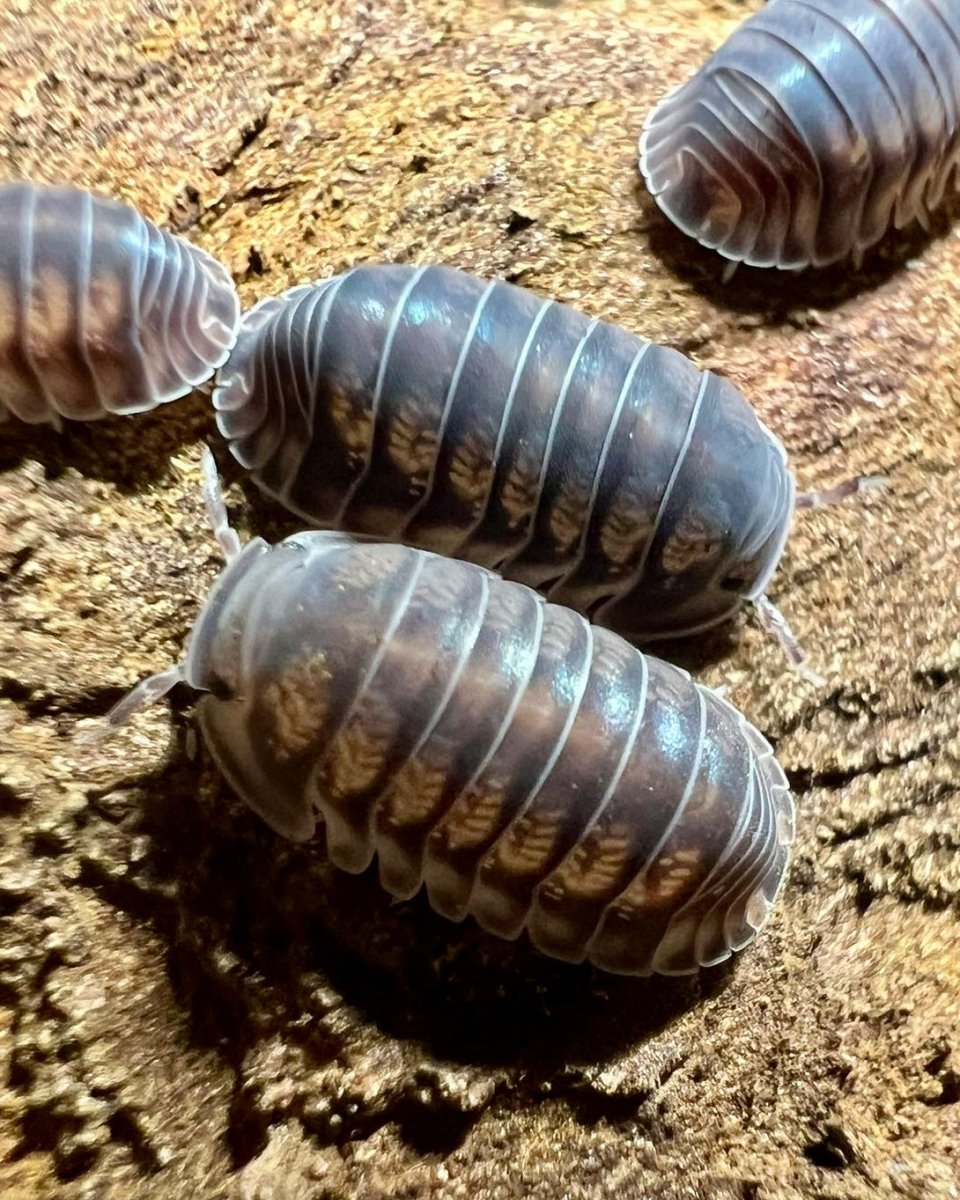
[(256, 925), (776, 293), (126, 451)]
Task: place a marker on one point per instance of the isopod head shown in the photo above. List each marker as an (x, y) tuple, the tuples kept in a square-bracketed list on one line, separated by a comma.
[(249, 719), (745, 187)]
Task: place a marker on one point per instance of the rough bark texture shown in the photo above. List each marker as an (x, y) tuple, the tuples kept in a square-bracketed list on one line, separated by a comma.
[(191, 1007)]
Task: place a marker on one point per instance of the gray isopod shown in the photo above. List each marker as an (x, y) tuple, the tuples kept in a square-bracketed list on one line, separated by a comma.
[(425, 406), (815, 127), (530, 769), (100, 311)]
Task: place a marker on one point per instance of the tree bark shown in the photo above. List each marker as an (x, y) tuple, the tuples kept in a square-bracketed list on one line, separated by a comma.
[(190, 1007)]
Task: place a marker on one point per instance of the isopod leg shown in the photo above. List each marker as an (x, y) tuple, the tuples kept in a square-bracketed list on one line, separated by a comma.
[(227, 538), (840, 491), (773, 621)]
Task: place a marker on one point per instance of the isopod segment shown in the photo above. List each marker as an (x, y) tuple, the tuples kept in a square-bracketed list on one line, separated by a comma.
[(816, 127), (100, 311)]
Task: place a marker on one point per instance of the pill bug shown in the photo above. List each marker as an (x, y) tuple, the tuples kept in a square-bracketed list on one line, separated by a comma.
[(813, 129), (527, 768), (426, 406), (100, 311)]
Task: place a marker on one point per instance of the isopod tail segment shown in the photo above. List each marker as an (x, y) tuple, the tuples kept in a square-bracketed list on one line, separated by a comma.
[(811, 131), (108, 314)]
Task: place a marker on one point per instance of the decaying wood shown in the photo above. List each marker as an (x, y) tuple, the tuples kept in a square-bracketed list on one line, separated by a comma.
[(191, 1007)]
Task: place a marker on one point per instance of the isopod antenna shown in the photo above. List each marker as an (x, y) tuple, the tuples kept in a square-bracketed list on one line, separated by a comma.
[(148, 691), (841, 491), (770, 619)]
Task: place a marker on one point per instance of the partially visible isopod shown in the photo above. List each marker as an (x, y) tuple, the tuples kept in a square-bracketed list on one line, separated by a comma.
[(100, 311), (815, 127), (529, 769), (426, 406)]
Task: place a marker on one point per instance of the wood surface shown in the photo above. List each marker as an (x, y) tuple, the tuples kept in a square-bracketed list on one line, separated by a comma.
[(190, 1007)]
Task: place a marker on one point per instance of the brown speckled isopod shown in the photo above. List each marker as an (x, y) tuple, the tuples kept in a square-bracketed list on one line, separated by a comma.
[(426, 406), (813, 129), (527, 768), (100, 311)]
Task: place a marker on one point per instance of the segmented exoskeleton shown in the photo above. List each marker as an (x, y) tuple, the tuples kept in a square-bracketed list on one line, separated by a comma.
[(815, 127), (530, 769), (426, 406), (100, 311)]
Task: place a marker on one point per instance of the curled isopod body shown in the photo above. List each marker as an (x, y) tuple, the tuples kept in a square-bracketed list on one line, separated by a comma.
[(426, 406), (530, 769), (100, 311), (813, 129)]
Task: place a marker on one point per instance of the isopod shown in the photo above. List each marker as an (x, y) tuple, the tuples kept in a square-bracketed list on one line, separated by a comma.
[(100, 311), (813, 129), (426, 406), (529, 769)]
